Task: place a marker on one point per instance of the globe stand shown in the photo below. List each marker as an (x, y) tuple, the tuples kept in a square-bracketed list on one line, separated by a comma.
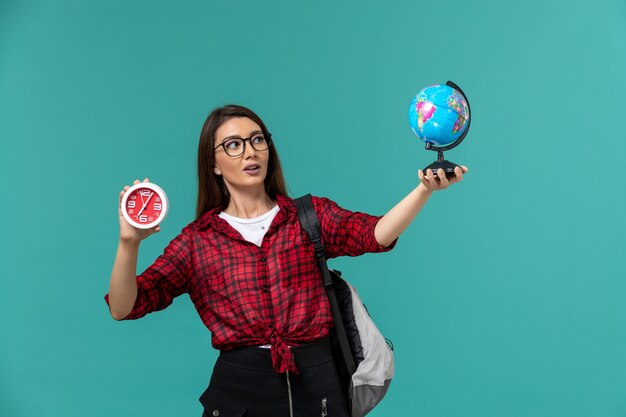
[(448, 166), (441, 163)]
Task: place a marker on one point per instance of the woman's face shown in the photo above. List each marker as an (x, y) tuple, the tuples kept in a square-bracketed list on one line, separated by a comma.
[(248, 170)]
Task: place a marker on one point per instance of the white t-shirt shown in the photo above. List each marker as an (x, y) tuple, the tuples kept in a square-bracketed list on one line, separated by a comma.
[(253, 230)]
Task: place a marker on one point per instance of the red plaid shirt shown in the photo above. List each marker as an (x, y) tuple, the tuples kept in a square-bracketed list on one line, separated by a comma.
[(251, 295)]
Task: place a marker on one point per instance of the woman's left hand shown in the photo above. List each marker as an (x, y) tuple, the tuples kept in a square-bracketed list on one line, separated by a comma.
[(440, 181)]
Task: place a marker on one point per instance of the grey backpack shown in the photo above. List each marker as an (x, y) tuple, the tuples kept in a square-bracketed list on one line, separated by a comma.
[(363, 357)]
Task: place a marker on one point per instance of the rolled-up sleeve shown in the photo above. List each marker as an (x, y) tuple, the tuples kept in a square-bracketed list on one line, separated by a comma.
[(164, 280), (347, 233)]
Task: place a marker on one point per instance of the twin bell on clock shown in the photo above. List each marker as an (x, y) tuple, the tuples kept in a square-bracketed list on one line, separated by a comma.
[(144, 205)]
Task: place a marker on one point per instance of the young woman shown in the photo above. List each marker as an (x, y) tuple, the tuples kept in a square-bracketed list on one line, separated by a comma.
[(251, 272)]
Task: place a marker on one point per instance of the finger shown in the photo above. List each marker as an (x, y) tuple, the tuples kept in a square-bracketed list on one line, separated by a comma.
[(458, 175), (123, 192), (443, 179), (423, 179), (430, 177), (136, 182), (146, 180), (438, 174), (464, 168)]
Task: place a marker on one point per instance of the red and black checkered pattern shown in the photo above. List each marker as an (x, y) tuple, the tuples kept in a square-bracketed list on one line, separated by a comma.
[(251, 295)]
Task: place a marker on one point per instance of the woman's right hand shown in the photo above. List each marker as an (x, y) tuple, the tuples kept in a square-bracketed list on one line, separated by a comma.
[(129, 233)]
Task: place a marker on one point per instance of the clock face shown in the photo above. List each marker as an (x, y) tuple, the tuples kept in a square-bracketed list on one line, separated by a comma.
[(144, 205)]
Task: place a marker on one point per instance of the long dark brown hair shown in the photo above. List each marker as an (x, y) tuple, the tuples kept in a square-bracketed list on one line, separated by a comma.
[(212, 191)]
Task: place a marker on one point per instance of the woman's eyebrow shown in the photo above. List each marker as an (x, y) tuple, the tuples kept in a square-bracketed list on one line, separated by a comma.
[(254, 132)]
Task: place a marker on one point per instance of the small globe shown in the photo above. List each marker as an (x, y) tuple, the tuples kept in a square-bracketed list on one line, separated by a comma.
[(439, 115)]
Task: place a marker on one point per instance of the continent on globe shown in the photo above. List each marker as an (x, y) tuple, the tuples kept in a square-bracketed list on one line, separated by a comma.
[(455, 101), (459, 124), (425, 111)]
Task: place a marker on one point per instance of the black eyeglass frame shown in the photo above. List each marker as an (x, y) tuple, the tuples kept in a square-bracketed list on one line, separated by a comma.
[(268, 140)]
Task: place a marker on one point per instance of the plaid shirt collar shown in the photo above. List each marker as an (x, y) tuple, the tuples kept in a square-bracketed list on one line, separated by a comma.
[(211, 218)]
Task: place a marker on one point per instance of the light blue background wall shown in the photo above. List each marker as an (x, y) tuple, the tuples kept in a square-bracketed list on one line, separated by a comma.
[(506, 296)]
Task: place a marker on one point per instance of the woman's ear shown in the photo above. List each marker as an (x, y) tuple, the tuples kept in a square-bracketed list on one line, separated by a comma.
[(217, 171)]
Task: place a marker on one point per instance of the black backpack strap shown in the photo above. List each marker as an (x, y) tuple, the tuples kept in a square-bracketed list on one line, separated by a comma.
[(310, 223)]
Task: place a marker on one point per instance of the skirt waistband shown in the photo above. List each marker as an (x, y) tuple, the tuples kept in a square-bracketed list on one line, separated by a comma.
[(310, 354)]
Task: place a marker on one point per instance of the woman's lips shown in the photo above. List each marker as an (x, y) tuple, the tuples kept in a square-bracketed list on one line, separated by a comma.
[(252, 169)]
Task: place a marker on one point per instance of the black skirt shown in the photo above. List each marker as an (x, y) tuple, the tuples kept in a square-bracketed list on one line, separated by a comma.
[(244, 383)]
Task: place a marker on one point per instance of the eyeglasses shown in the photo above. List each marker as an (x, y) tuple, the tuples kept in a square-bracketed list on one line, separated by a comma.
[(237, 146)]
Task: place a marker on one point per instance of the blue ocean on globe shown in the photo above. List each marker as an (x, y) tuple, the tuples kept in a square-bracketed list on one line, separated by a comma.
[(439, 115)]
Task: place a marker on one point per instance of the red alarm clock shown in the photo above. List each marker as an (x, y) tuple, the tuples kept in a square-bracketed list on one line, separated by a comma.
[(144, 205)]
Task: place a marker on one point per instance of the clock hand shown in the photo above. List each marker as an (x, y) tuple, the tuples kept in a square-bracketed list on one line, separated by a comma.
[(146, 203), (149, 197)]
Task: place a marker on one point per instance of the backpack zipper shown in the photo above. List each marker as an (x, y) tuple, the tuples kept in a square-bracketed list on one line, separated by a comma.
[(289, 394)]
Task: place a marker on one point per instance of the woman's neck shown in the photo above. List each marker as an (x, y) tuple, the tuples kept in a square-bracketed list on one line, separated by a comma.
[(247, 206)]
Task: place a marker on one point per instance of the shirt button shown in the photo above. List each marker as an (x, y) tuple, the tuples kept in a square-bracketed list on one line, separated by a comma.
[(265, 288), (216, 413), (270, 325), (262, 259)]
